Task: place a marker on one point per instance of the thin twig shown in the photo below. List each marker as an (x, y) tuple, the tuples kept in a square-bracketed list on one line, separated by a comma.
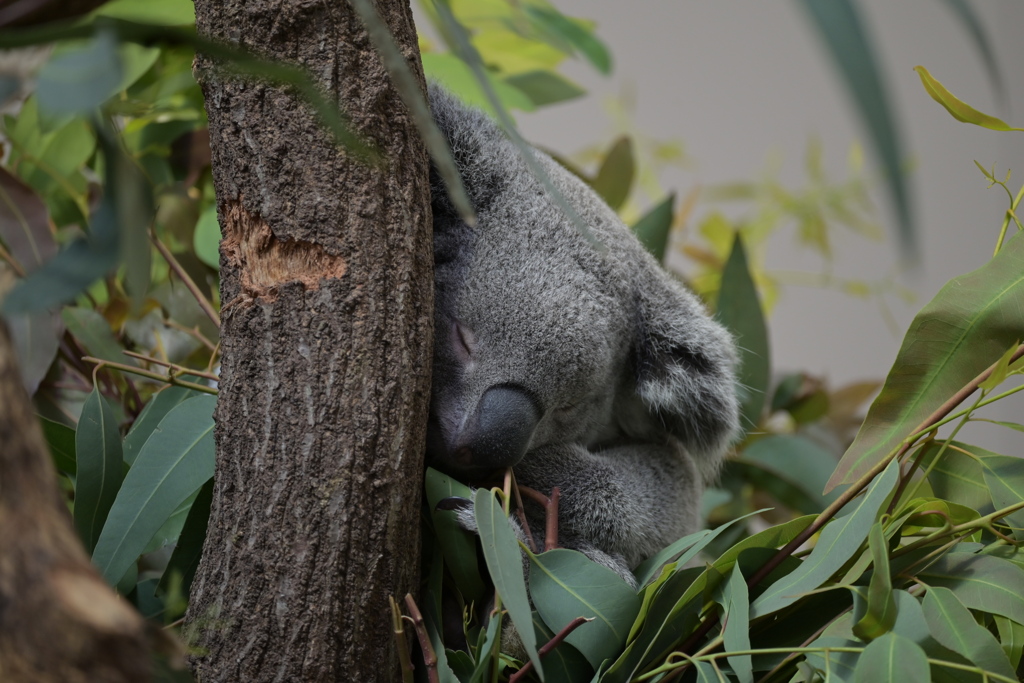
[(189, 283), (192, 332), (551, 513), (15, 266), (400, 641), (169, 379), (551, 535), (549, 646), (521, 514), (179, 369), (429, 656)]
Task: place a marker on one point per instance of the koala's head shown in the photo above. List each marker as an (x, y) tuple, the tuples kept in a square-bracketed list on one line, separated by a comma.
[(540, 337)]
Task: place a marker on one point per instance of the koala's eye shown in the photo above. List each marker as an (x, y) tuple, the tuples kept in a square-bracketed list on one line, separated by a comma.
[(566, 409), (463, 341)]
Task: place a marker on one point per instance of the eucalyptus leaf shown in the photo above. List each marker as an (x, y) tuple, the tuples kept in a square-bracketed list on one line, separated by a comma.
[(149, 419), (99, 470), (189, 548), (957, 108), (172, 465), (981, 582), (881, 612), (953, 626), (732, 595), (739, 309), (61, 440), (565, 584), (838, 541), (614, 178), (654, 228), (505, 566), (967, 326), (892, 659)]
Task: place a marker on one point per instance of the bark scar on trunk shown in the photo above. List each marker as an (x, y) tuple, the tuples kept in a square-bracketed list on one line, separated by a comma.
[(266, 262)]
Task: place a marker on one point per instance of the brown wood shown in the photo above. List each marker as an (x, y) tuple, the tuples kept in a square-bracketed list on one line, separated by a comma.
[(59, 621), (327, 294)]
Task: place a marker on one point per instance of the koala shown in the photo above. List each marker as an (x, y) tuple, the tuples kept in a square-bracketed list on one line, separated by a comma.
[(574, 359)]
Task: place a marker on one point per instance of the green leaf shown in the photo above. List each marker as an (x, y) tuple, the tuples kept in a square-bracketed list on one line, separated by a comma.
[(189, 549), (93, 333), (849, 44), (146, 423), (981, 582), (61, 279), (957, 477), (206, 238), (565, 584), (563, 664), (953, 626), (615, 177), (61, 440), (739, 309), (654, 228), (958, 109), (1004, 477), (837, 543), (545, 87), (840, 665), (453, 73), (683, 550), (24, 223), (732, 595), (36, 338), (457, 545), (1011, 638), (880, 615), (99, 470), (81, 77), (505, 565), (153, 12), (172, 465), (1001, 369), (797, 460), (574, 33), (892, 659), (967, 326)]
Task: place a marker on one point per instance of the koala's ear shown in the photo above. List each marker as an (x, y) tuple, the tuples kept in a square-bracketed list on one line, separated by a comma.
[(685, 370)]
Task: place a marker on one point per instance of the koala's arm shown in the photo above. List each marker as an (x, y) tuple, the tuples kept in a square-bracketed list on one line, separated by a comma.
[(618, 505)]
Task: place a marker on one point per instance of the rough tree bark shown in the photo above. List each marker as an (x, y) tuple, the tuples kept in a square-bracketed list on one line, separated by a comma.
[(59, 621), (326, 297)]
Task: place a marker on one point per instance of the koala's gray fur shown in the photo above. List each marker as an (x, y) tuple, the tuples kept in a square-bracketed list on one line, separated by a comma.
[(613, 383)]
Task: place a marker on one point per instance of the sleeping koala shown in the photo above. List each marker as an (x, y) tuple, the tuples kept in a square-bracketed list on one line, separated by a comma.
[(582, 367)]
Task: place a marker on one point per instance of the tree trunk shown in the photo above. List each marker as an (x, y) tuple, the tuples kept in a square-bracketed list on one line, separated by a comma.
[(327, 294), (59, 621)]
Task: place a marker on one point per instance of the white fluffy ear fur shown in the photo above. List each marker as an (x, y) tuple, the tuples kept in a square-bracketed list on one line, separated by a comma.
[(683, 360)]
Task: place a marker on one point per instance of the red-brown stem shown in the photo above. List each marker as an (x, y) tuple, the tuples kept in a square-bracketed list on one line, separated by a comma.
[(189, 283), (521, 514), (551, 532), (429, 656), (548, 647), (551, 513)]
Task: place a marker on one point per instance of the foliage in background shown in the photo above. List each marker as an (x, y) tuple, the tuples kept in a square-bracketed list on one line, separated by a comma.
[(109, 210)]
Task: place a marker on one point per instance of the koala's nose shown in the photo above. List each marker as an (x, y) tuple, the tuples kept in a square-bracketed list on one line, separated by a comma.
[(499, 431)]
